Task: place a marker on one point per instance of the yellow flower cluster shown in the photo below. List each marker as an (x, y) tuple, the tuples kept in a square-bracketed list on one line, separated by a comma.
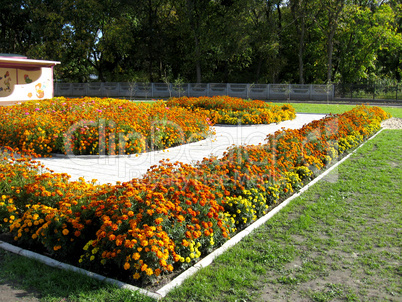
[(233, 111), (8, 212), (247, 207)]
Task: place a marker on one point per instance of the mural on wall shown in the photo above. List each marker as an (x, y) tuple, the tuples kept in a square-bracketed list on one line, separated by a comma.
[(7, 81), (22, 79), (27, 79), (40, 93), (33, 77)]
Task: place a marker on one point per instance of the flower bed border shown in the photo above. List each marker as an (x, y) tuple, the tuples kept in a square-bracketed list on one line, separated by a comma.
[(206, 261)]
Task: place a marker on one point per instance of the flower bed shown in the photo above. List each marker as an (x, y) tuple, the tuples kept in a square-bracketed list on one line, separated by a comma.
[(98, 126), (231, 110), (177, 213)]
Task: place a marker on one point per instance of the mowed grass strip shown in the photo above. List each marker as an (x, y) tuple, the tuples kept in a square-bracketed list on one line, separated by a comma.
[(337, 241), (336, 108)]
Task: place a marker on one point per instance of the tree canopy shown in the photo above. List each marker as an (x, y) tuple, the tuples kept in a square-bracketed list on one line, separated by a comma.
[(238, 41)]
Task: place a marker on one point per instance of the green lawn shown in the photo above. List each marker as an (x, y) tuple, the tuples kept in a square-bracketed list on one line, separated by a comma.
[(338, 241), (335, 108)]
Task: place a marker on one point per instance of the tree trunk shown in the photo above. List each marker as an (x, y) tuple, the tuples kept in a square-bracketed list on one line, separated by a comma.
[(330, 50), (301, 53), (197, 59), (298, 12)]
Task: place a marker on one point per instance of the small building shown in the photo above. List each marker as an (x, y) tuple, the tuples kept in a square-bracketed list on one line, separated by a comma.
[(23, 79)]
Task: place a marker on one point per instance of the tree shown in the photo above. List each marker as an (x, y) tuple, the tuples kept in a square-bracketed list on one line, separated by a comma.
[(327, 21), (366, 29)]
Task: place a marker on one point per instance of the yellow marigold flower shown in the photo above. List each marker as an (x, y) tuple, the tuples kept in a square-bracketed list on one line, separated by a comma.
[(149, 271)]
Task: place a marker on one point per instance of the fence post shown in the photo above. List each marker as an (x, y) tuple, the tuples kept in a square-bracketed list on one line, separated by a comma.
[(396, 92), (374, 91)]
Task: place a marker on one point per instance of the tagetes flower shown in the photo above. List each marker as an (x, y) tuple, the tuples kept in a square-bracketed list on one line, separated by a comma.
[(176, 212), (98, 126), (232, 110)]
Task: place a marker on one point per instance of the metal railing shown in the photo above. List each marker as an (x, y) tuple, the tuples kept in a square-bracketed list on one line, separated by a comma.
[(166, 90), (368, 92)]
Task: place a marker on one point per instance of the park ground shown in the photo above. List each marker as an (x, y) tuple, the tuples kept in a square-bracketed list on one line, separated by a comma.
[(339, 241)]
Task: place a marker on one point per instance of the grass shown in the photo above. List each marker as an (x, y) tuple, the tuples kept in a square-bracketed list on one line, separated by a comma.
[(336, 108), (55, 285), (338, 241)]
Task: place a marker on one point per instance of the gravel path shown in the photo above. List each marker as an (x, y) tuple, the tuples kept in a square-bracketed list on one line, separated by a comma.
[(392, 123), (109, 169)]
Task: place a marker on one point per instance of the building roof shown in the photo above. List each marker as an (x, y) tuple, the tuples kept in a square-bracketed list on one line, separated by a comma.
[(17, 61)]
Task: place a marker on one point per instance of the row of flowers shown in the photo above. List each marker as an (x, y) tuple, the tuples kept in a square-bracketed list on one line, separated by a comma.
[(177, 213), (114, 126), (232, 110), (98, 126)]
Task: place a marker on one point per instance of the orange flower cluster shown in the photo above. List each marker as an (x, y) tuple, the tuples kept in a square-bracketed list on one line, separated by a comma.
[(176, 213), (231, 110), (98, 126)]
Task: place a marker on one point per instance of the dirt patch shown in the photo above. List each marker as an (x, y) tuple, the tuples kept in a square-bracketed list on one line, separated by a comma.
[(11, 291), (8, 293), (392, 123)]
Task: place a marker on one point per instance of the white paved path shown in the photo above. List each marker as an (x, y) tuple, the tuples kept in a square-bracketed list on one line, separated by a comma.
[(109, 169)]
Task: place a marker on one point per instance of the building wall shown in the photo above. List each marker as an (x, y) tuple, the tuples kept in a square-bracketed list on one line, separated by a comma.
[(24, 85)]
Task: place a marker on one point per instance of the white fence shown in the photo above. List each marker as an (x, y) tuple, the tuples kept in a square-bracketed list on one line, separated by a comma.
[(164, 90)]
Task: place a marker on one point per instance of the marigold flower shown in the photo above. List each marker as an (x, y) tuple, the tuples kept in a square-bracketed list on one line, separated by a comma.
[(126, 266), (136, 256), (136, 276)]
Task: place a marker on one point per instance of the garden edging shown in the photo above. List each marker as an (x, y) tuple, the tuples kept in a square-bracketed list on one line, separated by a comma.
[(162, 292)]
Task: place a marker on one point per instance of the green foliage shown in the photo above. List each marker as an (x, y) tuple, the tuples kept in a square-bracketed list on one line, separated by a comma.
[(243, 41)]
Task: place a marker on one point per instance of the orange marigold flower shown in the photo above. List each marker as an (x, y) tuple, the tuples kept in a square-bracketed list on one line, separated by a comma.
[(65, 232), (136, 256), (126, 266), (136, 276)]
